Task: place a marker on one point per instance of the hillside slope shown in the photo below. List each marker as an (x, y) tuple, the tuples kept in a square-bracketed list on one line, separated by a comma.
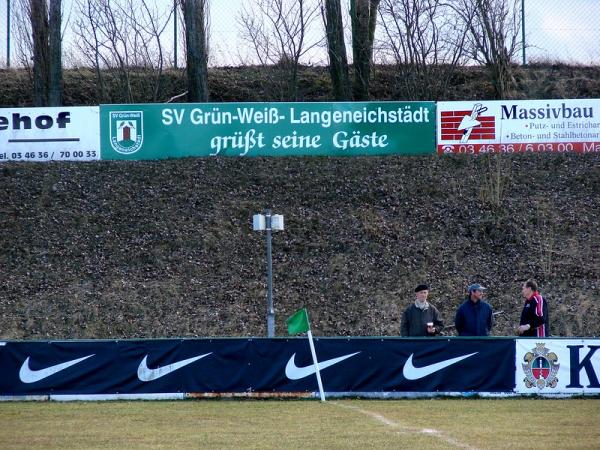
[(253, 84), (164, 249)]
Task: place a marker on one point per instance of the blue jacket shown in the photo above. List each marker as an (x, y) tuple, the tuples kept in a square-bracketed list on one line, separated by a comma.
[(474, 319)]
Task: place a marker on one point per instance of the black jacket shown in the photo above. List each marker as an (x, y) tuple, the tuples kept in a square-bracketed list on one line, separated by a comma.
[(535, 314), (474, 319), (414, 321)]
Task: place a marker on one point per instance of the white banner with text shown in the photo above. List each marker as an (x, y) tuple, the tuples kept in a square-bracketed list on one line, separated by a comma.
[(70, 133), (511, 126), (557, 366)]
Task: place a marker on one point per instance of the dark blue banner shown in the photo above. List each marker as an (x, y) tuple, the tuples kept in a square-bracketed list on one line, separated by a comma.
[(362, 365)]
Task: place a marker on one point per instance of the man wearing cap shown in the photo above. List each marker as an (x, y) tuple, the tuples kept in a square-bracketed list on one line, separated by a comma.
[(474, 316), (421, 318)]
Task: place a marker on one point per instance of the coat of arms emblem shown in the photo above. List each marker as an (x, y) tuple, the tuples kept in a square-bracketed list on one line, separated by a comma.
[(126, 131), (540, 367)]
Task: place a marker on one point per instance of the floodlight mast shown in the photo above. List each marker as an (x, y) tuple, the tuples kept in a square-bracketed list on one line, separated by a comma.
[(269, 222), (270, 309)]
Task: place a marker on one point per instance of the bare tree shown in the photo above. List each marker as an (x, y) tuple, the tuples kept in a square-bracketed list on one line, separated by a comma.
[(427, 43), (46, 49), (103, 38), (336, 49), (277, 31), (122, 37), (21, 27), (151, 26), (494, 27), (363, 15), (90, 42), (194, 14), (39, 32), (55, 57)]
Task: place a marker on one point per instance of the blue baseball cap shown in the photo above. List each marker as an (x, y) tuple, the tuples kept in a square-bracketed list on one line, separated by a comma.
[(475, 287)]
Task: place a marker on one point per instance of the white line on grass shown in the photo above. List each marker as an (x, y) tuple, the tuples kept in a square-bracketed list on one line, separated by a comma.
[(407, 429)]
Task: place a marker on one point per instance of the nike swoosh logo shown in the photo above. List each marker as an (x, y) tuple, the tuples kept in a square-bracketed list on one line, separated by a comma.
[(26, 375), (411, 372), (146, 374), (293, 372)]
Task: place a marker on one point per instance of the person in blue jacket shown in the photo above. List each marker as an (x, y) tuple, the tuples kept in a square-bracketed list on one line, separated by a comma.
[(474, 317)]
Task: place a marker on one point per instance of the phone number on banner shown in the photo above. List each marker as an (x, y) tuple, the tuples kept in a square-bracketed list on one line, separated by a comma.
[(66, 155), (552, 147)]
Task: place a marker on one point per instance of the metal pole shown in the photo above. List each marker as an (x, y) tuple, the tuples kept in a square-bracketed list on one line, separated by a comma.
[(175, 31), (270, 309), (8, 33), (316, 363), (523, 30)]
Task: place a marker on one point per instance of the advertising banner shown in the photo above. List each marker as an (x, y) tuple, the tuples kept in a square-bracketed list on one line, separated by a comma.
[(157, 131), (558, 366), (511, 126), (360, 365), (50, 134)]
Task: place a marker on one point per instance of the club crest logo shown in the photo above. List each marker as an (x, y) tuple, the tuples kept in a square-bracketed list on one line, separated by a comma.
[(126, 131), (540, 367)]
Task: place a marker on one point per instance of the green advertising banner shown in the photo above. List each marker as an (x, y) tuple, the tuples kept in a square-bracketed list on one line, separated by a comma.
[(157, 131)]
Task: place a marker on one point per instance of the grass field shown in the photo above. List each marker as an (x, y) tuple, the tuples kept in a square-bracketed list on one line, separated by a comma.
[(337, 424)]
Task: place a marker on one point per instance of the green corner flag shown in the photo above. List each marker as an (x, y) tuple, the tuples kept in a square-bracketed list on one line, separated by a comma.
[(298, 323)]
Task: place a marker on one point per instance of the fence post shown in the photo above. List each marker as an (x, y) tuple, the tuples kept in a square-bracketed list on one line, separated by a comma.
[(8, 34), (523, 30), (175, 31)]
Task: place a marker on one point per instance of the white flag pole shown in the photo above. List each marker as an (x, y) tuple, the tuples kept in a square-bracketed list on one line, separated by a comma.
[(316, 363)]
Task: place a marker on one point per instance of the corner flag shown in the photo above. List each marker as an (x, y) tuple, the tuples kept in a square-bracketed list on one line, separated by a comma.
[(298, 323)]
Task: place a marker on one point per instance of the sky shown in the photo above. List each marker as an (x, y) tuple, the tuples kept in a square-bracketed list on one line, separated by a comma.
[(569, 29), (565, 30)]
